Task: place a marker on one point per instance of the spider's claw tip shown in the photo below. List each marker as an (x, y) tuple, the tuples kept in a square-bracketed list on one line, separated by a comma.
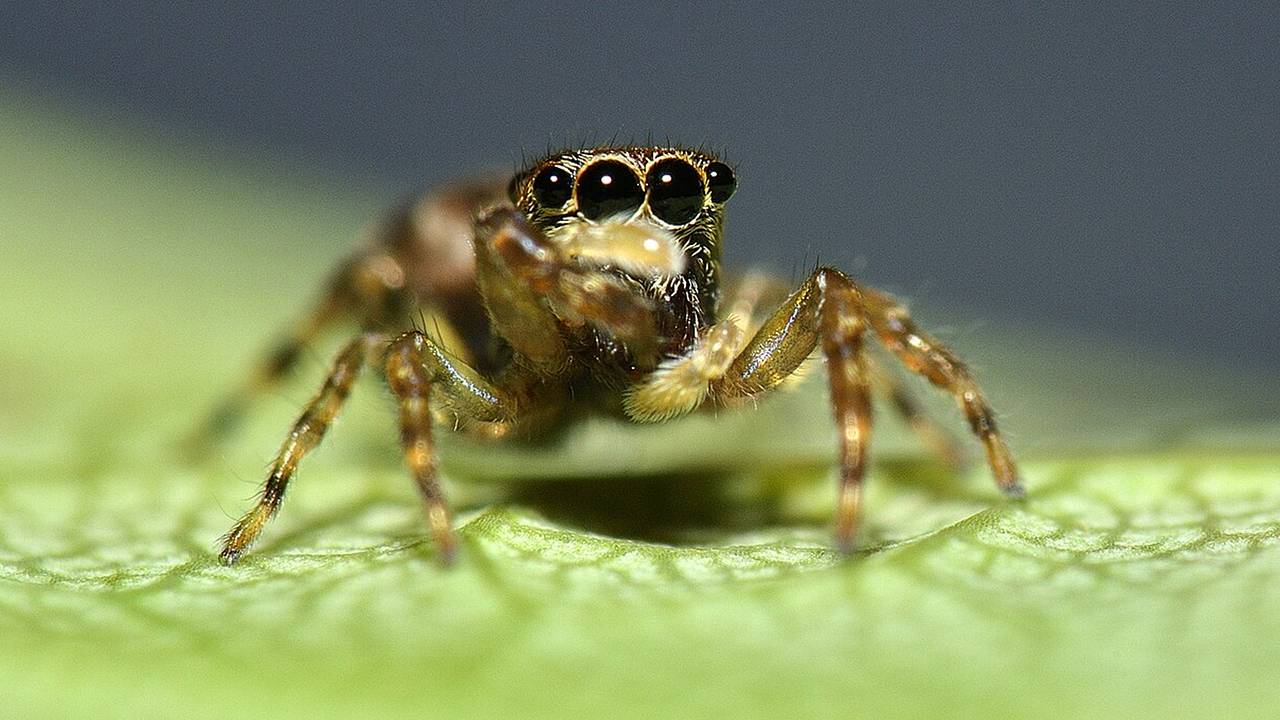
[(845, 546), (228, 556), (448, 556), (1015, 490), (447, 550)]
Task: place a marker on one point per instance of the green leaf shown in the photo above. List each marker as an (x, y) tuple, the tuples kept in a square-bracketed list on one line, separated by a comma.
[(1140, 579)]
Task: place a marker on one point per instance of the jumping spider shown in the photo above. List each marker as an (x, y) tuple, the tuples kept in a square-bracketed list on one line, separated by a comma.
[(592, 284)]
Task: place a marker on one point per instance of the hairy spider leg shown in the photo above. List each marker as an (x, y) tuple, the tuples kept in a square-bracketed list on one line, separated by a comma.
[(831, 311), (306, 434), (528, 287), (925, 356), (825, 312), (754, 289), (415, 365)]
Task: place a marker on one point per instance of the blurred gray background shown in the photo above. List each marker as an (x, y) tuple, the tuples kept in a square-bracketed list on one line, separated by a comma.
[(1106, 172)]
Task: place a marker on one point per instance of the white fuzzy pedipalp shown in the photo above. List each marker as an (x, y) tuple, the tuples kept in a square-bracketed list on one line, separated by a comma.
[(636, 247), (679, 385)]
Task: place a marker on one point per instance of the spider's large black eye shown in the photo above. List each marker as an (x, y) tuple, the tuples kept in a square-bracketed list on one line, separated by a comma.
[(553, 187), (721, 181), (675, 191), (607, 188)]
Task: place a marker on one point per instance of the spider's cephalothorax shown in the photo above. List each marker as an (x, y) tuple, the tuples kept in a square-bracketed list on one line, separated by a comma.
[(593, 285)]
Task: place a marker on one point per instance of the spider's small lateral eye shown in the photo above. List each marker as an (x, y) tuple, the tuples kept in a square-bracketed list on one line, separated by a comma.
[(675, 191), (721, 181), (606, 188), (553, 187)]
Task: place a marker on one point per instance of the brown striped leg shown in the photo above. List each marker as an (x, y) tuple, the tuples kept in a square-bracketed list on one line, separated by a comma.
[(414, 367), (826, 310), (928, 357), (365, 288), (305, 436), (937, 440), (841, 327), (830, 309)]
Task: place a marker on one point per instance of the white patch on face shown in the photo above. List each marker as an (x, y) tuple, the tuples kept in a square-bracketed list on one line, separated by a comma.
[(635, 246)]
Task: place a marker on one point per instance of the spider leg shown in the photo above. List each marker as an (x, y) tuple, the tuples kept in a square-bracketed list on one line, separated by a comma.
[(415, 365), (824, 312), (832, 312), (925, 356), (307, 432), (366, 287)]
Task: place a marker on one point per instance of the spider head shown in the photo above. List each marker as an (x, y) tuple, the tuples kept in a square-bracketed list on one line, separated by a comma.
[(679, 191)]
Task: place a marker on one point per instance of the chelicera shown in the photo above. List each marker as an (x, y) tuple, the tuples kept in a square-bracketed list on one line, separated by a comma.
[(591, 282)]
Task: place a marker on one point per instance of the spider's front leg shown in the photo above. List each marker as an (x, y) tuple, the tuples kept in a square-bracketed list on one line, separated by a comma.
[(421, 376), (830, 311), (306, 434), (415, 366)]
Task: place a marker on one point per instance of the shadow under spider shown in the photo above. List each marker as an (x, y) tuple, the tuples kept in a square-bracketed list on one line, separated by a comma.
[(668, 508), (686, 508)]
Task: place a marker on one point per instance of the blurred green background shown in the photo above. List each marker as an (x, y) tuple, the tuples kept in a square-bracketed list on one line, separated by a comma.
[(147, 256)]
